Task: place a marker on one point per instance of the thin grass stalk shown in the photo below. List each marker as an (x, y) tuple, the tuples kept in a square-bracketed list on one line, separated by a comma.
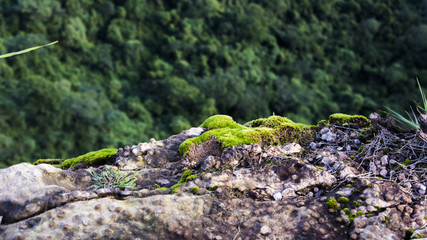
[(26, 50)]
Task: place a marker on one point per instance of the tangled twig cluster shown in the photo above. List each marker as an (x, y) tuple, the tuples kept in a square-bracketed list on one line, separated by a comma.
[(397, 157)]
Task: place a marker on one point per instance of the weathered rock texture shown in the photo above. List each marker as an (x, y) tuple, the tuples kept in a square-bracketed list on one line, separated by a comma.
[(242, 192)]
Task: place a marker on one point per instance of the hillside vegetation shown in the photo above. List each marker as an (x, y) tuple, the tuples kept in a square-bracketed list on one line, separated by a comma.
[(126, 71)]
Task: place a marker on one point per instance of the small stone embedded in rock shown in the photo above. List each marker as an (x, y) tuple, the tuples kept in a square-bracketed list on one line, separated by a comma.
[(265, 230), (329, 137), (291, 148), (324, 131), (277, 196), (313, 145), (384, 160), (288, 193), (208, 163)]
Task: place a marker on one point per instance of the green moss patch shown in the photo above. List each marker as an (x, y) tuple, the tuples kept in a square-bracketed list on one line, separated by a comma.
[(99, 157), (55, 162), (274, 130), (332, 203), (354, 120)]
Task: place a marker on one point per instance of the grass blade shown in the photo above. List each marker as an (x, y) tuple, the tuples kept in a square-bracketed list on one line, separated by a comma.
[(423, 97), (405, 123), (26, 50)]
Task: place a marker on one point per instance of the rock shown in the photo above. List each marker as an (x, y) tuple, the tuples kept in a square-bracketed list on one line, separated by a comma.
[(265, 230), (290, 148), (329, 137), (288, 193), (277, 196), (251, 191)]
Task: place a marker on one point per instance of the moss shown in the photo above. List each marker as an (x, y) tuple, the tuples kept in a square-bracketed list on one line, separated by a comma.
[(344, 119), (213, 188), (356, 204), (55, 162), (347, 211), (186, 177), (407, 162), (271, 131), (320, 168), (349, 185), (370, 215), (99, 157), (343, 200), (220, 121), (353, 216), (194, 190), (386, 219), (421, 235), (356, 191), (332, 203)]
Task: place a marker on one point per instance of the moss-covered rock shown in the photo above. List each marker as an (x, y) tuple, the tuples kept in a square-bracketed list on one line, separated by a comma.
[(99, 157), (269, 131), (354, 120), (52, 161)]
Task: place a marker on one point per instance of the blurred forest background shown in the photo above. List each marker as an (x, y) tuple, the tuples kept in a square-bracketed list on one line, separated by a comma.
[(128, 70)]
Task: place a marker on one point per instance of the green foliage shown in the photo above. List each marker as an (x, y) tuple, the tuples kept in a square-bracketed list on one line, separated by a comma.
[(113, 178), (410, 123), (183, 61)]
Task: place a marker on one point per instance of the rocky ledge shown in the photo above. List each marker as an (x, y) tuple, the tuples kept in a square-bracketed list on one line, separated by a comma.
[(345, 178)]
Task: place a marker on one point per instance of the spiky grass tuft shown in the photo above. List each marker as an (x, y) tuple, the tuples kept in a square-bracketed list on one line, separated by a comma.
[(113, 178), (410, 122)]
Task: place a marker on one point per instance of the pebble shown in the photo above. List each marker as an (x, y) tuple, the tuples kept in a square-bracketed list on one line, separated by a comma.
[(265, 230), (329, 137), (288, 193), (277, 196)]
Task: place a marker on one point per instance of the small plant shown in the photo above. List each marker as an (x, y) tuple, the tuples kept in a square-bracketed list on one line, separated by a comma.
[(410, 123), (113, 178)]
